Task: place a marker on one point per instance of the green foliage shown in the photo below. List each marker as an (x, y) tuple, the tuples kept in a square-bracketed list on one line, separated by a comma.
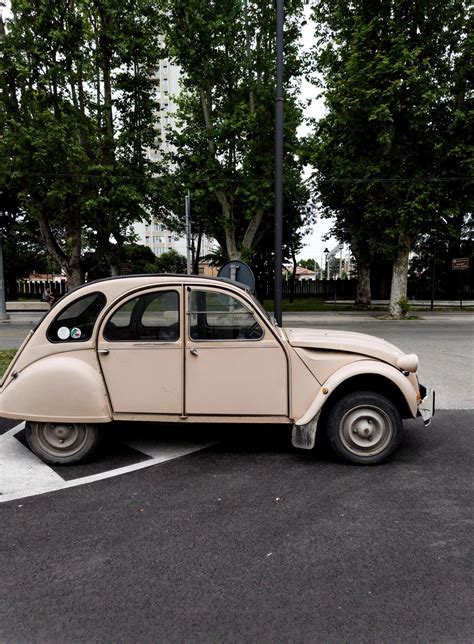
[(404, 304), (310, 264), (139, 258), (393, 154), (23, 252), (6, 356), (76, 115), (170, 262)]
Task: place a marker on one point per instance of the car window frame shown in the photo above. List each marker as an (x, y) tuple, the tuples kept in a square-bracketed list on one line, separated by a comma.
[(75, 341), (229, 293), (143, 292)]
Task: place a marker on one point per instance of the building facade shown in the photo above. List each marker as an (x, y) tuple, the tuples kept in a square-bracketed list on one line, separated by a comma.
[(154, 234)]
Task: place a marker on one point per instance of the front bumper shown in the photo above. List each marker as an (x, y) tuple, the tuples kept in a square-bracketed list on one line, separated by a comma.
[(426, 406)]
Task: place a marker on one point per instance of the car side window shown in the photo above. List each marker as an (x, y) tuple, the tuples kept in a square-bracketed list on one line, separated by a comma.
[(152, 317), (218, 316), (75, 322)]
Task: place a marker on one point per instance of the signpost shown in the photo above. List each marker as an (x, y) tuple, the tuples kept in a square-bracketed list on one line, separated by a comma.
[(460, 264)]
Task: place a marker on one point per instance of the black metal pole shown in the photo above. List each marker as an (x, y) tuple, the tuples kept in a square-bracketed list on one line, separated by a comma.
[(279, 164), (433, 269)]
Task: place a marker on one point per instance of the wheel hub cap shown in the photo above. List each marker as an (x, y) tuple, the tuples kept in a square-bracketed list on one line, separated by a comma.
[(62, 438), (366, 430)]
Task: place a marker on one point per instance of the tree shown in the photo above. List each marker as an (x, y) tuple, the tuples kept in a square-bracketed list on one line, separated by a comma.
[(224, 139), (310, 264), (384, 157), (23, 252), (170, 262), (76, 119)]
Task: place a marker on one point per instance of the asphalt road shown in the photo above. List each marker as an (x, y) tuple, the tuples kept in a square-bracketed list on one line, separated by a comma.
[(252, 541)]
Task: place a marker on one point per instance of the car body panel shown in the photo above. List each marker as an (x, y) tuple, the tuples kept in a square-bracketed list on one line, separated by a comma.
[(283, 376), (65, 388), (346, 341), (361, 367)]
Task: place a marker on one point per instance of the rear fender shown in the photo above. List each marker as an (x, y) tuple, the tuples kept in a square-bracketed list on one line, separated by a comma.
[(59, 388)]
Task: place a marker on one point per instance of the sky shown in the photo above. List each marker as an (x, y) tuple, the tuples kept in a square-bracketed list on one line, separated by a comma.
[(314, 244)]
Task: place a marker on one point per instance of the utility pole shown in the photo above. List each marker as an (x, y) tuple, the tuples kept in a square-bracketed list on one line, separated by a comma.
[(279, 100), (187, 202)]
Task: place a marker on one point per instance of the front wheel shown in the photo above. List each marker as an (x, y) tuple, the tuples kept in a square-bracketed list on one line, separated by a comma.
[(364, 427), (62, 443)]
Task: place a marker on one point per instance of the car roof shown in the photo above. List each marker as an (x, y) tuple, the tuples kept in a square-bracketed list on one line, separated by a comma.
[(181, 276)]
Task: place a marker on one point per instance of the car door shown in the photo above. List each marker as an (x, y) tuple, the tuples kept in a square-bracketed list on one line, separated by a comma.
[(141, 353), (234, 364)]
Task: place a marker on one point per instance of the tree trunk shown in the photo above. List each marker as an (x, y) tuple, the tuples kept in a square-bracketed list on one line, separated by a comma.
[(363, 299), (74, 276), (398, 289)]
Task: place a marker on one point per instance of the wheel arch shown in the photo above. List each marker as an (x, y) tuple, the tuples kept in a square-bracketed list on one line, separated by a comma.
[(371, 375), (374, 382), (362, 375)]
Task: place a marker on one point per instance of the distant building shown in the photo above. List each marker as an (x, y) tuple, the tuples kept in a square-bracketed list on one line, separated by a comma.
[(155, 235), (302, 274)]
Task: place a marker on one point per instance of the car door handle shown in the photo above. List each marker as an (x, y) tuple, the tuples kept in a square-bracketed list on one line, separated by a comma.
[(194, 351), (104, 351)]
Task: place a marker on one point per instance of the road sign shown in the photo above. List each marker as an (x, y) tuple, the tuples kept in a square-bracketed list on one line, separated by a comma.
[(460, 264)]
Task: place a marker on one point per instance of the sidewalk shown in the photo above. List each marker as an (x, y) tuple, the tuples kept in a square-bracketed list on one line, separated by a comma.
[(437, 304)]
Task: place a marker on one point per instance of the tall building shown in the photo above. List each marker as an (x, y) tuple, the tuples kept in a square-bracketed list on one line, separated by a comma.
[(155, 235)]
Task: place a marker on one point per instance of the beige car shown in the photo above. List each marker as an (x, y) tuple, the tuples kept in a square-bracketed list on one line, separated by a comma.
[(190, 349)]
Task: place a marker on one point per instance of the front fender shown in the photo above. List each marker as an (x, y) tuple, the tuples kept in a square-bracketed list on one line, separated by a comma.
[(304, 429), (59, 388)]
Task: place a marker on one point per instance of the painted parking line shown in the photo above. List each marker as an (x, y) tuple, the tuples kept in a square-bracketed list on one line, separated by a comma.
[(23, 474)]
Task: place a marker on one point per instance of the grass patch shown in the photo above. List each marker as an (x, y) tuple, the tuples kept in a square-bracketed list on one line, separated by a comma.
[(6, 356), (308, 304)]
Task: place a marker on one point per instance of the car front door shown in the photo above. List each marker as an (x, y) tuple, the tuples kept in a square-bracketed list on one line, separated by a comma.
[(234, 364), (141, 353)]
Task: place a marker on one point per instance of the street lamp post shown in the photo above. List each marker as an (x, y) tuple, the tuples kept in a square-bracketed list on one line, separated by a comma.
[(278, 294), (326, 255)]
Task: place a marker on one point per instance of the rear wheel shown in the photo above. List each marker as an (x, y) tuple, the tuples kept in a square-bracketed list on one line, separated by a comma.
[(62, 443), (364, 427)]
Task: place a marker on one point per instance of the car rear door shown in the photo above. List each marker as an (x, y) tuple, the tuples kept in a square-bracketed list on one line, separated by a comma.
[(141, 353)]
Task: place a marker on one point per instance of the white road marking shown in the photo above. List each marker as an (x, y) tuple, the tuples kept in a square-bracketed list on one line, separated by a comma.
[(22, 474), (161, 452)]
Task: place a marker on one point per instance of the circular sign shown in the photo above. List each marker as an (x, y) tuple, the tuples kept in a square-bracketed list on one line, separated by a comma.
[(63, 333), (238, 272), (75, 333)]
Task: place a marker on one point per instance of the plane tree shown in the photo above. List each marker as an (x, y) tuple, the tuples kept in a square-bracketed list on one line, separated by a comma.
[(389, 162), (76, 120), (223, 141)]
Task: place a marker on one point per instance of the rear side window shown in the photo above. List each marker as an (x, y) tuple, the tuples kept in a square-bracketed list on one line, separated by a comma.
[(152, 317), (76, 322)]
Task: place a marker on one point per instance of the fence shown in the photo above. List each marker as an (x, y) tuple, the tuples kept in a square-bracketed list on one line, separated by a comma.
[(34, 289), (326, 289)]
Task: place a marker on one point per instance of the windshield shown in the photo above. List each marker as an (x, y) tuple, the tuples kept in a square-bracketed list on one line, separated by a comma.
[(265, 314)]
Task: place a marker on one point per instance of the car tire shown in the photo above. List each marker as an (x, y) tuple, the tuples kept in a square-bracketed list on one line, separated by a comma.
[(62, 443), (364, 427)]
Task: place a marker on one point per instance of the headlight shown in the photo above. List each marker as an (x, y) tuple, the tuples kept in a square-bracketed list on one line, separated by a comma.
[(408, 362)]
